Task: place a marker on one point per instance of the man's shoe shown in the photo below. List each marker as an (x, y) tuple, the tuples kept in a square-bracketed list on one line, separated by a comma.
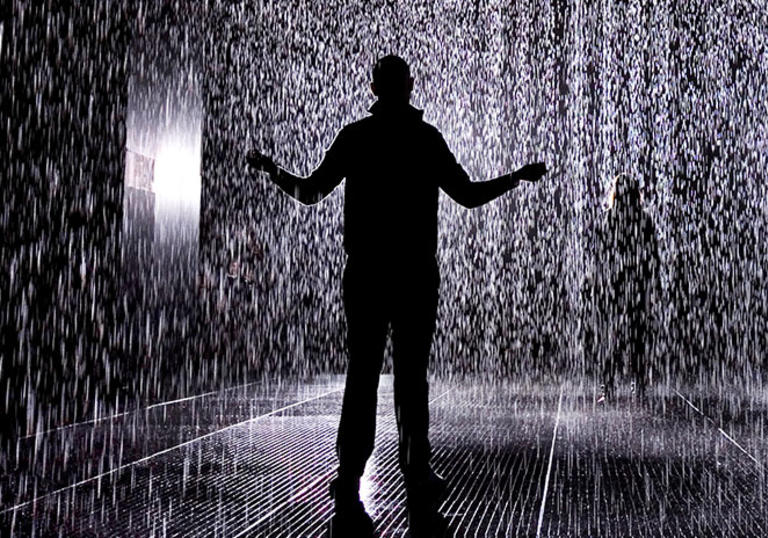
[(607, 394), (351, 521), (350, 518), (424, 498), (426, 524), (430, 489)]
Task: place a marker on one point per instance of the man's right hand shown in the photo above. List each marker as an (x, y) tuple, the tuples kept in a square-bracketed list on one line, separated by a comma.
[(258, 161), (532, 172)]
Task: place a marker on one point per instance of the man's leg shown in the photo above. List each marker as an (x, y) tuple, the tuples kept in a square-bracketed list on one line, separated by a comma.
[(366, 336), (638, 346), (611, 357), (618, 360), (413, 325), (412, 328)]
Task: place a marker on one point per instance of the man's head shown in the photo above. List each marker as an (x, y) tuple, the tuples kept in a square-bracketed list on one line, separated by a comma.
[(392, 79)]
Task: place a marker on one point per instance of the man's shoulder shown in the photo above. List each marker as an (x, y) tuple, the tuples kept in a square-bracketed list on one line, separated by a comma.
[(431, 130), (355, 129), (358, 125), (372, 122)]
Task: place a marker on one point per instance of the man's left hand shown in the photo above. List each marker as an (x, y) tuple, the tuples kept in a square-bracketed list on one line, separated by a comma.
[(532, 172), (258, 161)]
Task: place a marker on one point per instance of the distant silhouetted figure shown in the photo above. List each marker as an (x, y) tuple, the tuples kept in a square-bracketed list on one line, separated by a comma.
[(394, 164), (628, 278)]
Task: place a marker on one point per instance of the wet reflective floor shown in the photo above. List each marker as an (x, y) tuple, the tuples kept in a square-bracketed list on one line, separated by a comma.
[(521, 460)]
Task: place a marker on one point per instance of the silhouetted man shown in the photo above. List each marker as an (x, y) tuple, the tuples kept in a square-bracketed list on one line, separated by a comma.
[(394, 164), (628, 277)]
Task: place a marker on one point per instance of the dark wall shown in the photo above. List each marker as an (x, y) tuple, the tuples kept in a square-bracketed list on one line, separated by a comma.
[(64, 72)]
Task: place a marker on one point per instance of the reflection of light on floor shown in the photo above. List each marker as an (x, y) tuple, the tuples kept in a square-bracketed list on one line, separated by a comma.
[(368, 488), (625, 469)]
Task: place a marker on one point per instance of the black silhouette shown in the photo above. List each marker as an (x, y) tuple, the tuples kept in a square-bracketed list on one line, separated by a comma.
[(394, 164), (628, 281)]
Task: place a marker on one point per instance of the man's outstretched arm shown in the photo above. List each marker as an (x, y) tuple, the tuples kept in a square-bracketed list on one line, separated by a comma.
[(307, 190), (456, 183), (474, 194)]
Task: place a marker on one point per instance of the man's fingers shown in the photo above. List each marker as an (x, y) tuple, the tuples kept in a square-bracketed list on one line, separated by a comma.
[(255, 158), (533, 171), (260, 162)]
